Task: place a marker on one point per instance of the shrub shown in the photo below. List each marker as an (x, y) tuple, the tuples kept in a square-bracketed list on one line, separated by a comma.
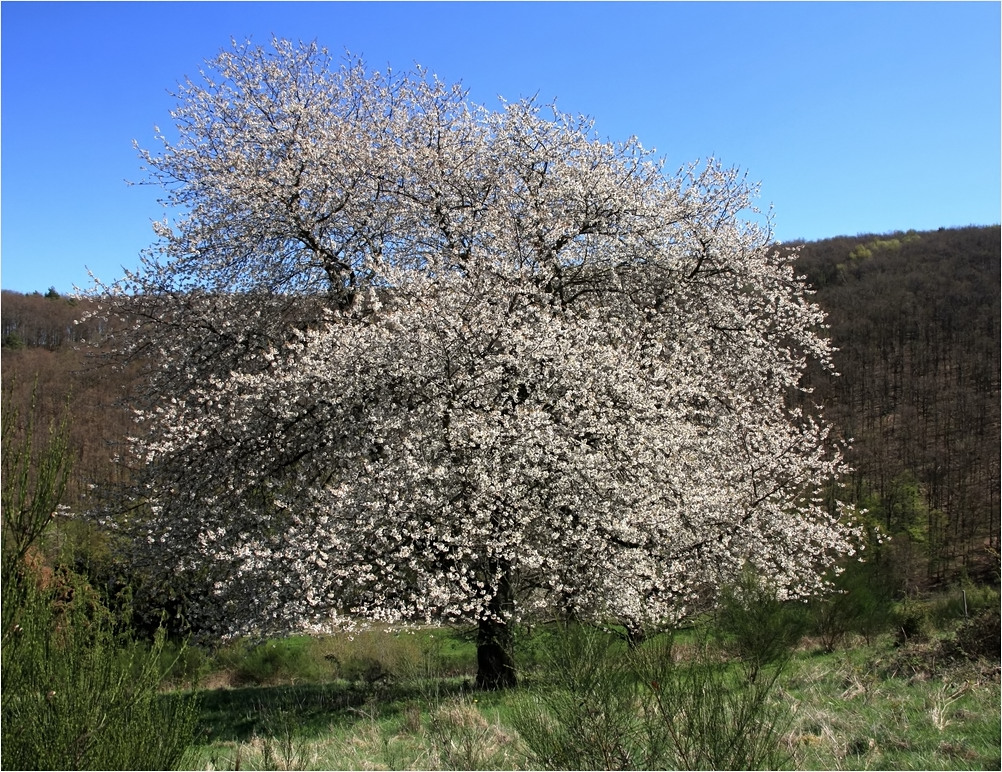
[(184, 665), (602, 706), (860, 603), (980, 636), (752, 624), (374, 656), (271, 661), (911, 624), (78, 691), (416, 657), (583, 715), (700, 713), (78, 696), (961, 603), (368, 670)]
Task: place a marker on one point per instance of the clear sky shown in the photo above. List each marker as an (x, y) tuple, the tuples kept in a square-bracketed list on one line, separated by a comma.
[(854, 117)]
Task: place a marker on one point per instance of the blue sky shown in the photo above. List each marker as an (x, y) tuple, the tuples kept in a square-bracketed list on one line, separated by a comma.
[(854, 117)]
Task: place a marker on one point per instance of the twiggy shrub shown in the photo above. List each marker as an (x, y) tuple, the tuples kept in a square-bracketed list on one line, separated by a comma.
[(373, 656), (754, 625), (980, 637), (185, 666), (76, 696), (911, 624), (860, 603), (964, 602), (602, 706), (701, 712), (77, 692), (34, 470), (584, 713)]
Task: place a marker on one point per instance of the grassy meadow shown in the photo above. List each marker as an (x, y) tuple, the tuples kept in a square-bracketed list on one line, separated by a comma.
[(404, 700)]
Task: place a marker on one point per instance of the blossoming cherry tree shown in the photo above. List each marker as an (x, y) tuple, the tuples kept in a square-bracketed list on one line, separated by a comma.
[(413, 360)]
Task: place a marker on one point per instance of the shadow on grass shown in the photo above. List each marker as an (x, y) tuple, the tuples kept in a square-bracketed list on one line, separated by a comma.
[(238, 714)]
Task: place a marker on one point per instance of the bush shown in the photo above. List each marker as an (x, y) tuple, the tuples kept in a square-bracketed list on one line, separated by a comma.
[(78, 691), (960, 603), (78, 696), (284, 660), (980, 637), (860, 603), (752, 624), (416, 657), (701, 713), (602, 706), (583, 715), (374, 656), (184, 665), (911, 624)]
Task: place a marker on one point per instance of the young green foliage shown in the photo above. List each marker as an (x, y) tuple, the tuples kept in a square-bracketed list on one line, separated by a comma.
[(78, 696), (33, 478)]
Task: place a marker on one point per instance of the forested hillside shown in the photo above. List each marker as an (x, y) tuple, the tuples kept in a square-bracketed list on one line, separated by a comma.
[(49, 351), (915, 317)]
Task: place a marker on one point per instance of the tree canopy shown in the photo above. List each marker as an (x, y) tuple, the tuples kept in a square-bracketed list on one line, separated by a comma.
[(412, 360)]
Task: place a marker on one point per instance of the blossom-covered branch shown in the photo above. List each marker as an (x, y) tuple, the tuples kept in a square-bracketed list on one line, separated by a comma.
[(414, 360)]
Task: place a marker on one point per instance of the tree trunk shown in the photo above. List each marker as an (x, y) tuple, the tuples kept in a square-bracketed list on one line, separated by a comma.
[(495, 659), (635, 635), (495, 645)]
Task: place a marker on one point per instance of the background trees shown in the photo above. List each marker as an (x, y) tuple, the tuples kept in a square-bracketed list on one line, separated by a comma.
[(915, 318), (410, 359)]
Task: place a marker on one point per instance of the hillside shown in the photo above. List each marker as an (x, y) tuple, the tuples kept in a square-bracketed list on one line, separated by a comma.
[(46, 349), (915, 317)]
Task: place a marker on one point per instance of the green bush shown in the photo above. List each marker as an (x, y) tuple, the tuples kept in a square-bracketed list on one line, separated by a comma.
[(283, 660), (583, 713), (979, 598), (373, 656), (753, 625), (184, 665), (76, 695), (911, 624), (601, 705), (859, 603), (368, 656), (78, 691), (980, 637), (370, 670), (701, 713)]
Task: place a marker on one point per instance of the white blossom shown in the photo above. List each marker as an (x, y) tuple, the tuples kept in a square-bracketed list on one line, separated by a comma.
[(403, 349)]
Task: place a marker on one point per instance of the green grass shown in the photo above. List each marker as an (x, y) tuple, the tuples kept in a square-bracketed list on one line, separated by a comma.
[(873, 708), (405, 701)]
